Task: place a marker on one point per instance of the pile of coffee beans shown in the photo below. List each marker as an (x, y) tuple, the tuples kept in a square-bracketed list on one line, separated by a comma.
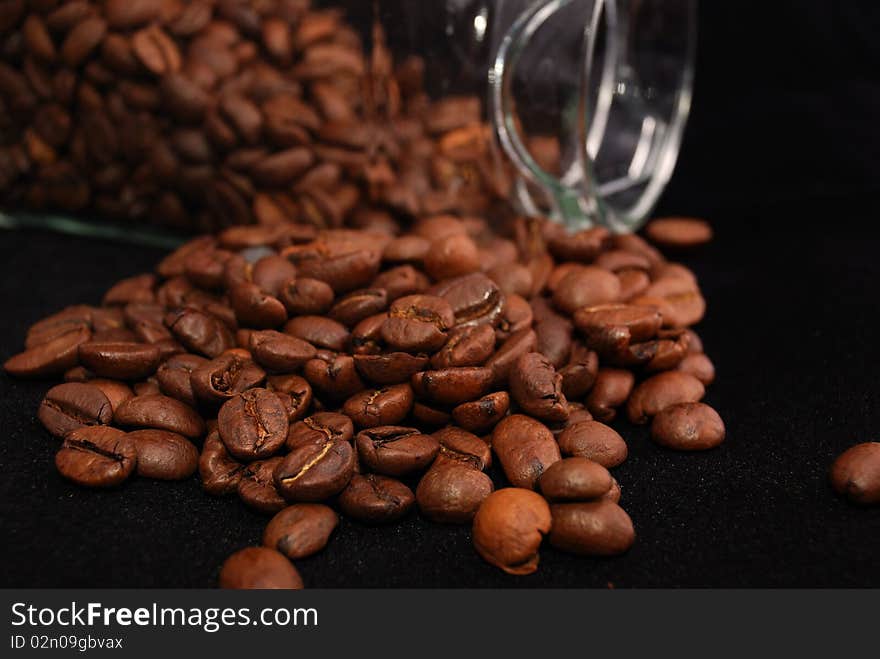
[(200, 114), (312, 372)]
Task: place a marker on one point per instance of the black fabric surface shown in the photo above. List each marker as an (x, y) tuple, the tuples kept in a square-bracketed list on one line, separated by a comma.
[(781, 155)]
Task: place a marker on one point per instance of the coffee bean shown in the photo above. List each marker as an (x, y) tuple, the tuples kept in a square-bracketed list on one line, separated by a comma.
[(200, 332), (451, 256), (164, 455), (509, 527), (452, 493), (72, 318), (116, 392), (123, 361), (160, 412), (334, 377), (661, 391), (225, 377), (679, 232), (418, 323), (278, 352), (254, 308), (70, 406), (481, 415), (585, 287), (259, 568), (390, 368), (253, 425), (595, 441), (575, 479), (537, 388), (96, 456), (300, 530), (126, 14), (174, 377), (156, 50), (856, 473), (351, 309), (82, 40), (700, 366), (592, 529), (583, 246), (406, 249), (452, 386), (50, 358), (380, 407), (395, 450), (400, 281), (579, 375), (466, 346), (554, 339), (611, 328), (678, 299), (314, 472), (319, 331), (519, 344), (460, 446), (516, 315), (474, 299), (257, 488), (320, 428), (525, 448), (220, 474), (688, 427), (376, 499), (611, 389), (304, 296)]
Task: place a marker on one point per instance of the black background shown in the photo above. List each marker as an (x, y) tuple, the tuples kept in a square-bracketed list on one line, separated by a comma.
[(781, 154)]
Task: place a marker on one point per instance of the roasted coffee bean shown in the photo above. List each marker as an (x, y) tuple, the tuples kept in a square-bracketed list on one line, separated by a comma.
[(595, 441), (599, 528), (474, 299), (400, 281), (148, 387), (358, 305), (467, 346), (319, 331), (116, 392), (452, 492), (259, 568), (174, 377), (430, 417), (315, 472), (679, 232), (82, 40), (335, 377), (452, 386), (585, 287), (579, 375), (301, 530), (406, 249), (688, 427), (516, 315), (366, 336), (395, 450), (71, 318), (164, 455), (583, 246), (224, 377), (554, 339), (73, 405), (123, 361), (253, 425), (856, 473), (481, 415), (304, 296), (525, 448), (700, 366), (160, 412), (320, 428), (512, 279), (96, 456), (51, 357), (390, 368), (220, 474), (458, 445), (137, 289), (610, 328), (575, 479), (200, 332), (279, 352), (611, 389), (343, 266), (254, 308), (537, 388), (509, 527), (380, 407), (451, 256), (376, 499), (257, 488), (678, 299), (519, 344), (661, 391), (418, 323), (156, 50)]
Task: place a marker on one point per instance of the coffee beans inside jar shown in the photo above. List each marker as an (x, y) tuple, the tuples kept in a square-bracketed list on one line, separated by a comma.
[(377, 335)]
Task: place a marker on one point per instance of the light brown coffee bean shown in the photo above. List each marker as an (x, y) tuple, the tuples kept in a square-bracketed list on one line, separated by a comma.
[(591, 529), (679, 232), (575, 479), (73, 405), (96, 456), (856, 473), (688, 427), (160, 412), (164, 455), (259, 568), (593, 440), (611, 389), (525, 448), (300, 530), (659, 392), (452, 493), (509, 527)]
